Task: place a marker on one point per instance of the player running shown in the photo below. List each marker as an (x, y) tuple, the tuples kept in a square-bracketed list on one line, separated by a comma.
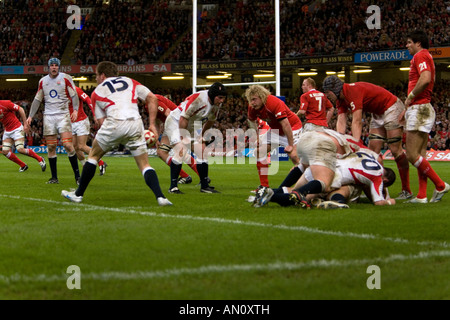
[(14, 133), (116, 108)]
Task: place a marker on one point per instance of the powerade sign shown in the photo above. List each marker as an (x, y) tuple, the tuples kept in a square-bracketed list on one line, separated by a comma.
[(11, 69), (43, 149), (383, 56), (275, 154)]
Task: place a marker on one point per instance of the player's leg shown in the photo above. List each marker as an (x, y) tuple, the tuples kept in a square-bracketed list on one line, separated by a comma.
[(203, 167), (6, 150), (88, 173), (163, 151), (418, 128), (262, 163), (394, 140), (150, 177), (52, 142), (66, 138)]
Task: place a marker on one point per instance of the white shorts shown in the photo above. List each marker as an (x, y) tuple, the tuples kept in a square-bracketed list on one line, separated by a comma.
[(272, 137), (420, 117), (317, 149), (130, 133), (16, 134), (57, 123), (81, 128), (172, 130), (312, 127), (389, 119)]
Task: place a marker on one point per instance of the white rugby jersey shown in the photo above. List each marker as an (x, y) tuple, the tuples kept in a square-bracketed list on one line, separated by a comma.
[(56, 93), (117, 98), (362, 168), (196, 107)]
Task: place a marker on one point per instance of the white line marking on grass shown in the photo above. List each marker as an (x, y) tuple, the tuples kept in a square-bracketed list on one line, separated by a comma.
[(269, 267), (87, 207)]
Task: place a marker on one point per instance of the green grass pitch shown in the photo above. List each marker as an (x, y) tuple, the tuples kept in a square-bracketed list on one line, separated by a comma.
[(212, 246)]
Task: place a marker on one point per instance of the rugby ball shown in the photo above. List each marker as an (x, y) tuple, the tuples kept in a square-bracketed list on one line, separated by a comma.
[(150, 138)]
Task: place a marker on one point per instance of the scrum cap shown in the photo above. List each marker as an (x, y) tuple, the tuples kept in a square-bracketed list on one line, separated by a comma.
[(333, 84), (216, 89), (54, 61)]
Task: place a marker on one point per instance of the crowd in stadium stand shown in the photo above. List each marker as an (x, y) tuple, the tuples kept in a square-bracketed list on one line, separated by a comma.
[(149, 31)]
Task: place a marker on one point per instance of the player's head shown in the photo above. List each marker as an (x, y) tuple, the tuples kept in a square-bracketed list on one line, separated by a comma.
[(257, 95), (54, 61), (308, 84), (419, 36), (217, 90), (333, 84), (106, 69), (53, 67), (388, 177)]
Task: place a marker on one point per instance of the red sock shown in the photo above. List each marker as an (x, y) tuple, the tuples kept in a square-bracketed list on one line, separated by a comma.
[(193, 165), (33, 154), (101, 162), (425, 168), (422, 185), (183, 174), (403, 170), (11, 156), (263, 169)]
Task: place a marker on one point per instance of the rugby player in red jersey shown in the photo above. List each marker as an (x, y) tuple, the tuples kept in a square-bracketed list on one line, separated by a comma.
[(420, 115), (385, 109), (81, 128), (314, 106), (284, 125), (14, 133)]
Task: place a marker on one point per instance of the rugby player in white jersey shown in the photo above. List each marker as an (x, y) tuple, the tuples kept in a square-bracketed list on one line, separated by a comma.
[(115, 100), (56, 90), (357, 172), (200, 107)]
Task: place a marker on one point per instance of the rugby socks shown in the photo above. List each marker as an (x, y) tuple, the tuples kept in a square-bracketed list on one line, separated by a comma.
[(263, 169), (33, 154), (183, 173), (11, 156), (403, 170), (203, 174), (53, 168), (74, 163), (338, 198), (174, 173), (86, 176), (426, 171), (151, 179), (292, 177), (193, 165), (312, 187), (282, 199)]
